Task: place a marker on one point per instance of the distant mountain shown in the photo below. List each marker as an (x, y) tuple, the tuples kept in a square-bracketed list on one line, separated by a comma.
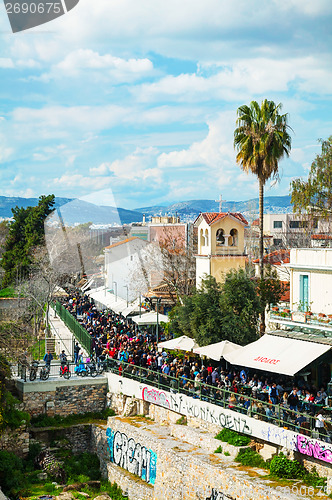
[(191, 208), (75, 211)]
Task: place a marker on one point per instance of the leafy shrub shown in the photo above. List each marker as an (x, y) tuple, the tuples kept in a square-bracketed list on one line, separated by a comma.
[(83, 464), (227, 454), (281, 466), (250, 457), (232, 437), (12, 417), (218, 450), (11, 472)]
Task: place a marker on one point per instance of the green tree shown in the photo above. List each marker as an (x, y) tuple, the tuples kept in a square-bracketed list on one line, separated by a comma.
[(220, 312), (25, 232), (261, 140), (314, 195)]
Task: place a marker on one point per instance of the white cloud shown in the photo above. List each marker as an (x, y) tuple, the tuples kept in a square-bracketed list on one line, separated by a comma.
[(138, 166), (234, 81), (84, 62)]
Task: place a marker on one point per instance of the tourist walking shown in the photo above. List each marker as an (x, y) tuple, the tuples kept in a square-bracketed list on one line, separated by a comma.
[(48, 358), (76, 353)]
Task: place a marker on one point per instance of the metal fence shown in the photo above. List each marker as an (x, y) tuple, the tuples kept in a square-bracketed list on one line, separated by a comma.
[(75, 327), (241, 402)]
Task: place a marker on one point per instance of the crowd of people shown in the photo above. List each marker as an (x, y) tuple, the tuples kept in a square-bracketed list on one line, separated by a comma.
[(134, 353)]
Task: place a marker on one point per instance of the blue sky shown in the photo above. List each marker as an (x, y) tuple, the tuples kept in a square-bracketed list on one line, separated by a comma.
[(140, 98)]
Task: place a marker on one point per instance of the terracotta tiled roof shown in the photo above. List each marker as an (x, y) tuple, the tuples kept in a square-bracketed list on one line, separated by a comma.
[(321, 237), (286, 295), (276, 258), (255, 222), (122, 242), (212, 217)]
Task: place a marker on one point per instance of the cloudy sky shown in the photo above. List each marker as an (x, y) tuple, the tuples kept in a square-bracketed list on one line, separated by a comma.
[(140, 96)]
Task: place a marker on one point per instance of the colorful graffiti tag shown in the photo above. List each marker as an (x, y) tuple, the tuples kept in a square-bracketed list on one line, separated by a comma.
[(312, 448), (198, 409), (132, 456), (156, 397)]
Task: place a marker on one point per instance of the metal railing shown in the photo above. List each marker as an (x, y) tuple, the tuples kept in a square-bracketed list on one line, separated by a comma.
[(75, 327), (241, 402)]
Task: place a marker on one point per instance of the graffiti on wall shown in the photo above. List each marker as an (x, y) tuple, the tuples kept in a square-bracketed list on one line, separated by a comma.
[(196, 408), (218, 495), (132, 456), (312, 448), (278, 435), (156, 397)]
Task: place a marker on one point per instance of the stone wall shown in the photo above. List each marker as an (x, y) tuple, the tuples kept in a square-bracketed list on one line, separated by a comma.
[(63, 397), (149, 463), (15, 441)]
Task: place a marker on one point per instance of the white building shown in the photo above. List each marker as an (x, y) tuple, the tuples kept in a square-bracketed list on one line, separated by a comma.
[(311, 280), (292, 230)]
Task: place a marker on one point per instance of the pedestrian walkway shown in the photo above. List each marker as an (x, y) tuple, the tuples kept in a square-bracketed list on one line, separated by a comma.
[(64, 338)]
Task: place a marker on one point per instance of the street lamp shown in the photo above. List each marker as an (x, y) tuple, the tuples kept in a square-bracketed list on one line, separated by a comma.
[(126, 286), (116, 290)]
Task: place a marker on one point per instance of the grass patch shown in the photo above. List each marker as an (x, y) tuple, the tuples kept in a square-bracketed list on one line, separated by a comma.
[(59, 421), (232, 437), (251, 458)]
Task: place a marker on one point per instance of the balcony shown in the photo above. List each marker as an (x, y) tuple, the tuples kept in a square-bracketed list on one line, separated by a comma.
[(319, 324)]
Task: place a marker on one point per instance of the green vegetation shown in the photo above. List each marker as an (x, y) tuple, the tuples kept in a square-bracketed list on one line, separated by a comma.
[(8, 292), (214, 312), (250, 457), (82, 468), (314, 195), (11, 416), (182, 421), (18, 478), (227, 454), (25, 233), (232, 437), (59, 421), (218, 450), (261, 140), (281, 467)]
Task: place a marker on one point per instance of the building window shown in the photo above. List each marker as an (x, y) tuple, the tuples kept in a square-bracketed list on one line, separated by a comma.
[(220, 237), (202, 240), (277, 242), (234, 238), (277, 224), (294, 224), (206, 237)]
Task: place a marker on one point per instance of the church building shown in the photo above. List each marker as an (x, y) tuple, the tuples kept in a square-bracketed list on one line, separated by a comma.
[(220, 244)]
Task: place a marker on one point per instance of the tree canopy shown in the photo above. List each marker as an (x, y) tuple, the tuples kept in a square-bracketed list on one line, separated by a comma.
[(220, 312), (227, 311), (314, 195), (25, 232)]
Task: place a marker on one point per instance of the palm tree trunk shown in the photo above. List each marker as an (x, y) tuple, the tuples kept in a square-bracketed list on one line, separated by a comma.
[(261, 250)]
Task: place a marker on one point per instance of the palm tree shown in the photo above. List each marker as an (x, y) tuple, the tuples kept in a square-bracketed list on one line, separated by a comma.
[(261, 140)]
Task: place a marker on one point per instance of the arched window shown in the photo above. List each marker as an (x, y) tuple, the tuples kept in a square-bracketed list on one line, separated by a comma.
[(202, 239), (234, 236), (206, 237), (220, 237)]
